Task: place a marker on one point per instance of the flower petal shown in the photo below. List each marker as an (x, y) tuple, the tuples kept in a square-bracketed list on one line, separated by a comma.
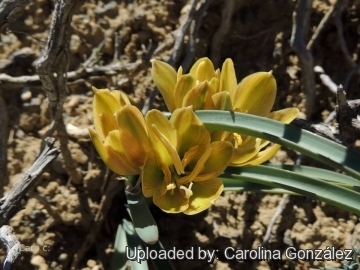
[(183, 86), (263, 156), (113, 158), (152, 176), (228, 80), (121, 96), (164, 126), (200, 97), (204, 194), (205, 70), (199, 167), (245, 152), (108, 123), (221, 154), (194, 69), (179, 73), (190, 130), (285, 115), (133, 134), (214, 84), (176, 161), (103, 102), (171, 202), (98, 143), (256, 93), (162, 123), (164, 77), (222, 101), (117, 160)]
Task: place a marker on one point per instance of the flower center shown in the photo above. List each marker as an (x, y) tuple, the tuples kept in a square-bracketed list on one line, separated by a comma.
[(187, 190)]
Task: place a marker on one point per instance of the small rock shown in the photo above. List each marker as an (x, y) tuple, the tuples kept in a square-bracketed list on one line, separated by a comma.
[(58, 165), (63, 257), (40, 262), (91, 263), (20, 134), (79, 156), (110, 9), (77, 133), (26, 94), (72, 103), (91, 179)]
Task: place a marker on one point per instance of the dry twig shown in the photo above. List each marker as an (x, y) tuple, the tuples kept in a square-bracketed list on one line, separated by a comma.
[(11, 203), (3, 143), (194, 32), (325, 79), (72, 76), (320, 27), (55, 61), (346, 115), (9, 10), (181, 32), (339, 6), (12, 244), (300, 28)]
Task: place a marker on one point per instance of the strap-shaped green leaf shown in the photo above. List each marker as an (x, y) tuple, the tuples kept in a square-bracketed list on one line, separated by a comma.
[(311, 187), (144, 222), (314, 146)]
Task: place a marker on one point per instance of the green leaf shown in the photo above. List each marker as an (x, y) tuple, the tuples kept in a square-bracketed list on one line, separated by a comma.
[(314, 146), (119, 259), (134, 243), (144, 222), (326, 175), (311, 187)]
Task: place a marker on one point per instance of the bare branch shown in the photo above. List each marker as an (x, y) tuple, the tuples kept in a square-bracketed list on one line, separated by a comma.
[(194, 32), (181, 32), (4, 121), (9, 10), (320, 27), (81, 73), (12, 244), (339, 6), (56, 52), (300, 28), (325, 79), (320, 129), (11, 203), (346, 116), (52, 69)]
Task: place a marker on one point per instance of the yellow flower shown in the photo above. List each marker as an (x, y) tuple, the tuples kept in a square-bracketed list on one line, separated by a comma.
[(181, 168), (120, 135), (206, 88)]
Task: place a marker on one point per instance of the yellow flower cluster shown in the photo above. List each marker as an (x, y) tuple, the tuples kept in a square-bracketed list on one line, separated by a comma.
[(178, 159), (205, 88)]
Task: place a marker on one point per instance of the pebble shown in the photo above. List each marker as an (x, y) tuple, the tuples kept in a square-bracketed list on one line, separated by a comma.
[(63, 257), (110, 9), (79, 156), (77, 133), (26, 95), (91, 263), (40, 262)]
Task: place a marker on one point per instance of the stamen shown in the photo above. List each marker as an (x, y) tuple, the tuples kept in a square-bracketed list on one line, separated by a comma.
[(171, 187), (188, 191)]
